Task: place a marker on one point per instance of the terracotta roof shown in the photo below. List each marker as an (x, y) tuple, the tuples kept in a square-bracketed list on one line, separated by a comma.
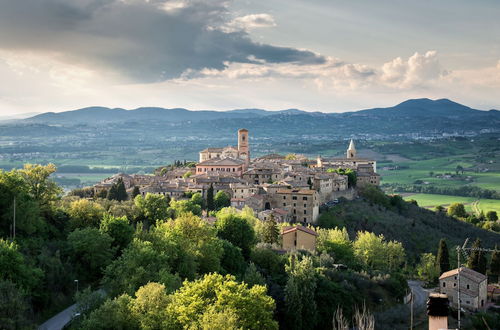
[(222, 162), (287, 230), (296, 191), (465, 272), (212, 150)]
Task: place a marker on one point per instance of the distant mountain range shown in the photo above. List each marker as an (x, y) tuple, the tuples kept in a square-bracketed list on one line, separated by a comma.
[(417, 116), (93, 115)]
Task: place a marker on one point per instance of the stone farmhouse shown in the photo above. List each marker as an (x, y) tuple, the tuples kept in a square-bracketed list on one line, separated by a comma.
[(291, 190), (473, 288)]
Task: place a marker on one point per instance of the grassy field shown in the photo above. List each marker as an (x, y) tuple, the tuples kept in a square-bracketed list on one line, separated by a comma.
[(471, 203), (421, 170)]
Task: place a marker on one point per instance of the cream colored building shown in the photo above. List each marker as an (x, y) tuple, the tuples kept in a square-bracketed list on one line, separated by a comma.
[(298, 238), (242, 151), (473, 288)]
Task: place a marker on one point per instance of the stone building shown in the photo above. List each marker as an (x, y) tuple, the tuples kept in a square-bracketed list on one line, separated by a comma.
[(222, 166), (242, 151), (302, 205), (473, 288), (298, 238)]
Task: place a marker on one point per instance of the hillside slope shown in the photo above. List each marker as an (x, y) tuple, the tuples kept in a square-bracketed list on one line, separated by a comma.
[(417, 228)]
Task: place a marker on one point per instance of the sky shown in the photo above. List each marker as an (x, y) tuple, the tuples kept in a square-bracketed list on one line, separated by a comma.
[(316, 55)]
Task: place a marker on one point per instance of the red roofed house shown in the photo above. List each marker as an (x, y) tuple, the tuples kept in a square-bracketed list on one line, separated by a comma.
[(298, 238)]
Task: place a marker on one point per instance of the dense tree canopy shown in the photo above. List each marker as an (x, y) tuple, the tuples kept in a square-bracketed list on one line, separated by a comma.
[(236, 229)]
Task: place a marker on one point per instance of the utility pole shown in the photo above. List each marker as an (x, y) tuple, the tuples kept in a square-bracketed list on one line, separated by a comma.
[(14, 221), (465, 250), (411, 309)]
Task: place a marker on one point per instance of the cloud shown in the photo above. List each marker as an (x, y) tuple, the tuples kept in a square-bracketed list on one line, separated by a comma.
[(141, 40), (414, 72), (250, 22)]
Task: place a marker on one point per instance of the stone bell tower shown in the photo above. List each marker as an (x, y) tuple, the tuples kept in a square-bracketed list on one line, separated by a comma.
[(351, 151), (243, 147)]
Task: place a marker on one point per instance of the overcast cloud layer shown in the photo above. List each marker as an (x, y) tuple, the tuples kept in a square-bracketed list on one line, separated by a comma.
[(61, 54), (145, 40)]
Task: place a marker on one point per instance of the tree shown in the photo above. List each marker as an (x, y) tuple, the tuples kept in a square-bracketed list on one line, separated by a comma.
[(197, 199), (439, 209), (119, 229), (237, 230), (112, 314), (210, 198), (117, 191), (150, 306), (477, 259), (84, 213), (495, 263), (270, 231), (428, 268), (351, 175), (136, 191), (253, 276), (310, 183), (459, 169), (377, 254), (222, 200), (40, 186), (15, 268), (141, 262), (336, 241), (28, 214), (197, 240), (152, 207), (299, 294), (232, 261), (457, 210), (91, 251), (251, 308), (177, 208), (443, 257), (491, 216), (13, 307)]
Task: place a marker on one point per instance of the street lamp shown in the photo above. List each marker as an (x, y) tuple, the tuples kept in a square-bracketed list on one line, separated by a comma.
[(76, 281)]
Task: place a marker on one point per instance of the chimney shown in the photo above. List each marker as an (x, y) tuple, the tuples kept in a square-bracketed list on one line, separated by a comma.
[(437, 309)]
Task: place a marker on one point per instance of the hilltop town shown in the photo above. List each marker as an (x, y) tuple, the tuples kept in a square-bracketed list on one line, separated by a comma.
[(291, 188)]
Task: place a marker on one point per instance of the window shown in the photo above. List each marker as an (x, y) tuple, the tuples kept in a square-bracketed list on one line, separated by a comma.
[(444, 284), (305, 212), (294, 198), (305, 219), (294, 204), (468, 286), (305, 205), (304, 198), (454, 284), (284, 204), (284, 197)]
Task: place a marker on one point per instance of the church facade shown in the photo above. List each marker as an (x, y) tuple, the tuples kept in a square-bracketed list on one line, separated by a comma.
[(230, 160)]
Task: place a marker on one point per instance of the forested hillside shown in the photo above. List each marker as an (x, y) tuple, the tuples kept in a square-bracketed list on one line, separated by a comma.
[(151, 262)]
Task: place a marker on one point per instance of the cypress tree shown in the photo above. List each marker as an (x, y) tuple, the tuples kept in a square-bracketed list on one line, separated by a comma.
[(135, 192), (495, 263), (270, 232), (117, 191), (477, 259), (443, 257), (121, 192), (210, 198)]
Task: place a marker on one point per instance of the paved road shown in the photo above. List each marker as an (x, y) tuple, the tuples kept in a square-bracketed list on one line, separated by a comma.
[(419, 293), (60, 320)]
